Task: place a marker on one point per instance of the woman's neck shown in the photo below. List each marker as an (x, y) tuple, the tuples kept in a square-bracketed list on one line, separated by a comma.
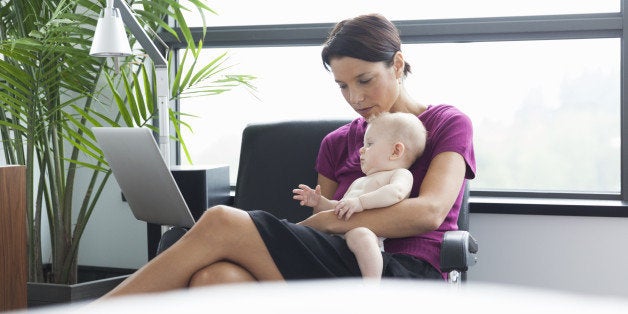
[(405, 103)]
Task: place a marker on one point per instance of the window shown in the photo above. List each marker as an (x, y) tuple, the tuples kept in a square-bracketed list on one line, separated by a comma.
[(544, 93), (283, 93), (545, 113)]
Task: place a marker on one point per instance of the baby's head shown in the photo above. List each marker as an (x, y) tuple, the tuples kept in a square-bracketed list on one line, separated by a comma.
[(397, 138)]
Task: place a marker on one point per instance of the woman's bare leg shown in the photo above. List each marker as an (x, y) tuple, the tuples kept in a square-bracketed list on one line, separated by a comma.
[(222, 233), (220, 273)]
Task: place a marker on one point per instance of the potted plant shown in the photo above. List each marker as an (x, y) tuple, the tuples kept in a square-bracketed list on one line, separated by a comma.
[(52, 92)]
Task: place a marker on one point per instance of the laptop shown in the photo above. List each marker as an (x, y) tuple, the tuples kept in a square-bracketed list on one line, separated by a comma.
[(144, 178)]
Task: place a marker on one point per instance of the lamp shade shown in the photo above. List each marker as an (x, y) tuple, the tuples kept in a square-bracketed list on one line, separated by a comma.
[(110, 38)]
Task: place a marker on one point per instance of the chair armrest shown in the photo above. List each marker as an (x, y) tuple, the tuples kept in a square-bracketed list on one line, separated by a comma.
[(458, 251)]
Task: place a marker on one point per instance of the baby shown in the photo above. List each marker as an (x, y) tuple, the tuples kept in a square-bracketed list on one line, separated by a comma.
[(392, 143)]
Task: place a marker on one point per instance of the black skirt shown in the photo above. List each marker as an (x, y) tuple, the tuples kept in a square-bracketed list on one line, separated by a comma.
[(302, 252)]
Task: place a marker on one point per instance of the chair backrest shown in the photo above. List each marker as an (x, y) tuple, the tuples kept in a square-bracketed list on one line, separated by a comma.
[(463, 216), (274, 159)]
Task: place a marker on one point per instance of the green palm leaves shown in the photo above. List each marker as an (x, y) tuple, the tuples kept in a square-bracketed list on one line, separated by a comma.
[(51, 94)]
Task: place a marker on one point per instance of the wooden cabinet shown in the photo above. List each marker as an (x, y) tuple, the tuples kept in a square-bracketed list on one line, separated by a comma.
[(13, 258)]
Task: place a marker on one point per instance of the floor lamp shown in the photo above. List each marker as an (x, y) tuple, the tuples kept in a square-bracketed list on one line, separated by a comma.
[(110, 40)]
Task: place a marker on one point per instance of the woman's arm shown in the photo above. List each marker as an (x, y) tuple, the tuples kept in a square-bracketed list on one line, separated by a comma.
[(417, 215), (328, 186)]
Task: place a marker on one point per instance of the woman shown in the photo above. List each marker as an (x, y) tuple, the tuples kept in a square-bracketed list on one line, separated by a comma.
[(230, 245)]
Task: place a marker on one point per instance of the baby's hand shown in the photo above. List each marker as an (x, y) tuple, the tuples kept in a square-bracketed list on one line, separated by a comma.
[(307, 195), (347, 207)]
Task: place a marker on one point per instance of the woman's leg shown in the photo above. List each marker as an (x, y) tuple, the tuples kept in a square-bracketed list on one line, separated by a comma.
[(363, 243), (220, 273), (222, 233)]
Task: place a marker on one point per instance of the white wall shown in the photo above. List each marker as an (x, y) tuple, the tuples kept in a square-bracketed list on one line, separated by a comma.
[(113, 237), (578, 254)]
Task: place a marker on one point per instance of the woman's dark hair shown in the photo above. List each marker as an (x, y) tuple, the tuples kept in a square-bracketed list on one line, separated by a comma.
[(369, 37)]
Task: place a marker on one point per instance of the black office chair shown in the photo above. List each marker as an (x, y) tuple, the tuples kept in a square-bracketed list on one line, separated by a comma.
[(276, 157)]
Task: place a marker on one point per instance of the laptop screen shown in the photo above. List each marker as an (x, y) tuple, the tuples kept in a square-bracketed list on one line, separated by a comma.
[(143, 176)]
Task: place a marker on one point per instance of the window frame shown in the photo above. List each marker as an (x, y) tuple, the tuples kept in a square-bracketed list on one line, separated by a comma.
[(491, 29)]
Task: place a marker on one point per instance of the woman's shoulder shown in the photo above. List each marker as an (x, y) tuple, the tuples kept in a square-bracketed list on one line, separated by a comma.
[(436, 115), (442, 109)]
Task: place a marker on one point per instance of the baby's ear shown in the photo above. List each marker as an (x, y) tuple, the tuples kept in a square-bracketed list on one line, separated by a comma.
[(398, 150)]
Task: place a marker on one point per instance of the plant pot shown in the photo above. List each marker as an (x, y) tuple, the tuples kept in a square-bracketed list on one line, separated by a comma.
[(94, 283)]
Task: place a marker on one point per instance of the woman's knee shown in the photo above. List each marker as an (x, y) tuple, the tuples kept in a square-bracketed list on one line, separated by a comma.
[(220, 273), (221, 229), (220, 217)]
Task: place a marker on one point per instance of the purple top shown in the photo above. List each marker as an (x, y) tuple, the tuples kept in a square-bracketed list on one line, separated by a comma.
[(448, 129)]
